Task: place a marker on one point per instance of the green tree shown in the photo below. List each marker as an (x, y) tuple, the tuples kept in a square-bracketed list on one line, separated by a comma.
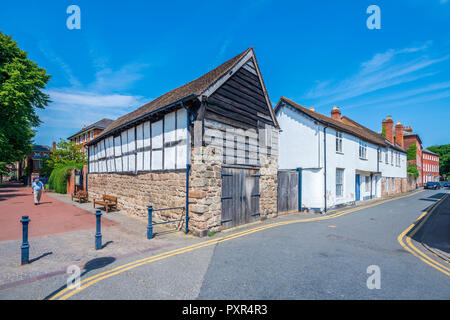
[(64, 154), (443, 151), (21, 85)]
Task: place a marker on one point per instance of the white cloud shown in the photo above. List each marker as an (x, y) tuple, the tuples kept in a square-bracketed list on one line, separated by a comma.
[(383, 70), (92, 99)]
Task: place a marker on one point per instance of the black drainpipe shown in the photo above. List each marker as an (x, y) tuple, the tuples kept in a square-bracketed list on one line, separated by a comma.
[(325, 168), (188, 166)]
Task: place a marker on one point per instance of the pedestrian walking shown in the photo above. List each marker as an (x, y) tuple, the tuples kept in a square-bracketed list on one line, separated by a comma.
[(38, 188)]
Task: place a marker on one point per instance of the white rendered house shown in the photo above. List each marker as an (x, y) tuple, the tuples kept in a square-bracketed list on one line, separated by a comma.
[(338, 161)]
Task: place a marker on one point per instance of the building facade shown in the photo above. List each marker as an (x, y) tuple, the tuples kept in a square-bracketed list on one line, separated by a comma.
[(340, 161), (412, 139), (90, 132), (210, 146), (430, 165)]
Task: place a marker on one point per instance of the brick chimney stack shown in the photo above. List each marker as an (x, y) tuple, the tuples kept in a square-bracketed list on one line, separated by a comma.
[(54, 145), (399, 135), (408, 129), (388, 126), (336, 113)]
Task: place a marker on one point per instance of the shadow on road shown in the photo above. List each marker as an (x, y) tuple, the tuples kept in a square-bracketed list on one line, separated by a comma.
[(97, 263), (41, 256)]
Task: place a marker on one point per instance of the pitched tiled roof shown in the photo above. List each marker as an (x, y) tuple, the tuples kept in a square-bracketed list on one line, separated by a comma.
[(195, 87), (375, 134), (348, 125), (38, 147), (430, 152), (101, 124)]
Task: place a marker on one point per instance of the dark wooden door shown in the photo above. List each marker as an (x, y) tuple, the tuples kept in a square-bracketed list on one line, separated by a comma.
[(240, 196), (288, 191)]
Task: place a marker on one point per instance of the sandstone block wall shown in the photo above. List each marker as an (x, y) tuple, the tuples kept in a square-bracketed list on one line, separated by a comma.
[(136, 192)]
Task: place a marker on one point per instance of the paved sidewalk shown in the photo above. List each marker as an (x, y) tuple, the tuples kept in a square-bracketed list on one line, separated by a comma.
[(51, 216), (436, 234)]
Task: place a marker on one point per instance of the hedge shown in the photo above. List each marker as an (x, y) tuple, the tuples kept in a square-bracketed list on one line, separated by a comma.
[(58, 178)]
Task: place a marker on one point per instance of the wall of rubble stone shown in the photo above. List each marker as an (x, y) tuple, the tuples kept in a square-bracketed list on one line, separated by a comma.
[(136, 192)]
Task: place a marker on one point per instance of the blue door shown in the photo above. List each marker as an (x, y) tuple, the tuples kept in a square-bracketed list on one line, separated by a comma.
[(357, 188)]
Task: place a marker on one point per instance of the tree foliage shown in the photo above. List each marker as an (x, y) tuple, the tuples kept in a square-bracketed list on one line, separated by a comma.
[(412, 152), (64, 154), (21, 85), (444, 157), (412, 169)]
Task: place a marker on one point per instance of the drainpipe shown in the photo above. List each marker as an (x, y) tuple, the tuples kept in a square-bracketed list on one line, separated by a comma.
[(188, 166), (325, 168), (87, 174)]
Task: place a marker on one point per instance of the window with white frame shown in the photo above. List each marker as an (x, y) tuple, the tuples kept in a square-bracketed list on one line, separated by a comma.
[(92, 134), (339, 182), (386, 156), (380, 155), (339, 142), (362, 150), (392, 158), (367, 184)]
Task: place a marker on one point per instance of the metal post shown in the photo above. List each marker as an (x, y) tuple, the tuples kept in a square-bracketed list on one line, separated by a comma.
[(25, 245), (98, 234), (188, 166), (150, 223)]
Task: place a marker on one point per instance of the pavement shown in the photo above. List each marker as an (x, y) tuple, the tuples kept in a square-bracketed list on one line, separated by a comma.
[(436, 231), (51, 216), (298, 256)]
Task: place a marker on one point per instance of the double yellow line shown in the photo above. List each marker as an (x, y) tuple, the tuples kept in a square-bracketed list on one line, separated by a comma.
[(67, 293), (412, 230)]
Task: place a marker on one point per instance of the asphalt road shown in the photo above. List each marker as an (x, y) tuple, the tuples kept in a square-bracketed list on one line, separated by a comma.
[(325, 259)]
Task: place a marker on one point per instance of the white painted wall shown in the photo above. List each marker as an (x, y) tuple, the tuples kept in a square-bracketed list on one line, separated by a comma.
[(302, 145)]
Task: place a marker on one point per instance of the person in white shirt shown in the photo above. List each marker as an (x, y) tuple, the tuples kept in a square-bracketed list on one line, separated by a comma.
[(38, 188)]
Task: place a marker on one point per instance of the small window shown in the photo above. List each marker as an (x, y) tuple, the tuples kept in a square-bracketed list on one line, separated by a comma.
[(386, 157), (92, 135), (339, 142), (367, 184), (392, 184), (392, 158), (339, 182), (363, 150), (85, 137), (380, 156)]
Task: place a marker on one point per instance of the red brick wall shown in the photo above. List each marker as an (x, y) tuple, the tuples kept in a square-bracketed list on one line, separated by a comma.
[(430, 165)]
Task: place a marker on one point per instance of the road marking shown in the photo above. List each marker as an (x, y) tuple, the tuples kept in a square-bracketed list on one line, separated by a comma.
[(412, 230), (67, 293), (332, 226)]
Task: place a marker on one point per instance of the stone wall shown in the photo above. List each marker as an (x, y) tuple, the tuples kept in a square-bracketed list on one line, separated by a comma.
[(136, 192), (268, 186), (401, 185)]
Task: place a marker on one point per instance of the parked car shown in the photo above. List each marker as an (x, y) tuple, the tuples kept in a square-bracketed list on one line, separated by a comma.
[(432, 185), (447, 184)]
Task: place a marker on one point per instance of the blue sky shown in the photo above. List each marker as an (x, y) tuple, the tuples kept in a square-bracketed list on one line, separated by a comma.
[(318, 53)]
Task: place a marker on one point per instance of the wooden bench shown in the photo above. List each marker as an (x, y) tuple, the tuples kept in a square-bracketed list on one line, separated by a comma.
[(107, 202), (80, 195)]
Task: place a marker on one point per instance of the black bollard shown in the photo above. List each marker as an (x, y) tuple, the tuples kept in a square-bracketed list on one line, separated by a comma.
[(98, 234), (150, 223), (25, 247)]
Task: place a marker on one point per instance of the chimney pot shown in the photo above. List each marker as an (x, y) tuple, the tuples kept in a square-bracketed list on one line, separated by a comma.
[(336, 113), (312, 109)]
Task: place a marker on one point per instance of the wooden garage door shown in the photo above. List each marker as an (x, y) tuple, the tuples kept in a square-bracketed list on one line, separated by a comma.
[(287, 193), (240, 196)]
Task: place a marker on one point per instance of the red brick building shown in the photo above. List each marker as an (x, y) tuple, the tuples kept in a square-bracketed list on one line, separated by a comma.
[(88, 133), (33, 161), (411, 138), (430, 166)]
